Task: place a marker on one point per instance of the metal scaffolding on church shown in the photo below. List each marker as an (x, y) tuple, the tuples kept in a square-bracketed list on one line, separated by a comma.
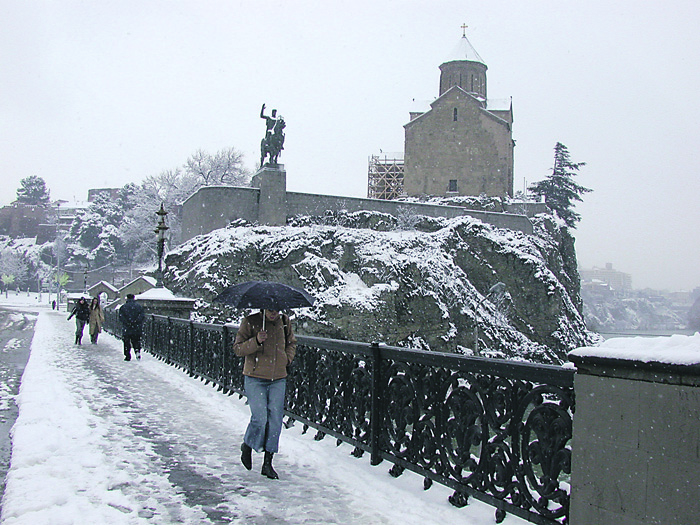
[(385, 176)]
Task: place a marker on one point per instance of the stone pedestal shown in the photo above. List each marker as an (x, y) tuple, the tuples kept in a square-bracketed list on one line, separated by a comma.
[(272, 182), (636, 442)]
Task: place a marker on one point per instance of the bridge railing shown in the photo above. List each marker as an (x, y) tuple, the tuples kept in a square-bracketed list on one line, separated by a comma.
[(497, 430)]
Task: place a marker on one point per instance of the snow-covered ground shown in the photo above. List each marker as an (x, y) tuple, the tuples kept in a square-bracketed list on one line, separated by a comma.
[(102, 441)]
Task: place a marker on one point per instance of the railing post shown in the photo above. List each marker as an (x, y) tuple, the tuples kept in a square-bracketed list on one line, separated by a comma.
[(191, 356), (377, 410), (171, 353)]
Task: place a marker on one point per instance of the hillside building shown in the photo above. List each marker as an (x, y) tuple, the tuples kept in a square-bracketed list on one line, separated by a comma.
[(615, 279), (461, 145)]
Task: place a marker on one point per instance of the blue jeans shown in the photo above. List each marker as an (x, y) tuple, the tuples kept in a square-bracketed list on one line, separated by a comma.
[(266, 401)]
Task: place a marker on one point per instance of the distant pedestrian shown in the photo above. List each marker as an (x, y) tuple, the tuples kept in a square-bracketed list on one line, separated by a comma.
[(81, 311), (97, 317), (268, 351), (131, 315), (53, 304)]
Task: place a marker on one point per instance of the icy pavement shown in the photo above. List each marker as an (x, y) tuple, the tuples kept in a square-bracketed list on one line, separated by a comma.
[(16, 330), (102, 441)]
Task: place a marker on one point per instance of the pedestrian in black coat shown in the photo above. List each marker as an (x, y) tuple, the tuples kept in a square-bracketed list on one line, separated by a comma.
[(131, 315), (81, 311)]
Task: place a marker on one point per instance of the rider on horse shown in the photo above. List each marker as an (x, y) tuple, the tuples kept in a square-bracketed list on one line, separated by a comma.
[(273, 143)]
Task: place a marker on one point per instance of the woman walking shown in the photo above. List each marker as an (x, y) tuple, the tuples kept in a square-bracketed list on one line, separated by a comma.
[(97, 317), (268, 344)]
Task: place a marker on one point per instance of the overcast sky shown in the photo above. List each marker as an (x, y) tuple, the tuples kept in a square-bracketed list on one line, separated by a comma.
[(102, 93)]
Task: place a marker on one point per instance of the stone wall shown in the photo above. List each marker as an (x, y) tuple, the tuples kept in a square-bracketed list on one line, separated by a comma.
[(636, 443), (21, 220), (214, 207), (458, 140)]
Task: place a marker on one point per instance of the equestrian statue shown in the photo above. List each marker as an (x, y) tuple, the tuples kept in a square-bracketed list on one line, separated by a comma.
[(273, 143)]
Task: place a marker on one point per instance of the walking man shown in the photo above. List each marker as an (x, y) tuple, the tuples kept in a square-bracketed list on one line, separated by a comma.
[(81, 311), (131, 315)]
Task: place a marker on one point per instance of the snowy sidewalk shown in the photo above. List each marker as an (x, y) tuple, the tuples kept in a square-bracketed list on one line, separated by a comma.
[(101, 440)]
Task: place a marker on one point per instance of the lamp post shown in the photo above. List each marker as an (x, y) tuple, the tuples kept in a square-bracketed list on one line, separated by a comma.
[(160, 230), (497, 290)]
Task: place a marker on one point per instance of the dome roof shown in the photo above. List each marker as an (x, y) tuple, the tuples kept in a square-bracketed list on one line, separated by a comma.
[(464, 51)]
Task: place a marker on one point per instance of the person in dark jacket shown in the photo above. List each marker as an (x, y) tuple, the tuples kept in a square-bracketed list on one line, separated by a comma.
[(131, 315), (267, 342), (81, 311)]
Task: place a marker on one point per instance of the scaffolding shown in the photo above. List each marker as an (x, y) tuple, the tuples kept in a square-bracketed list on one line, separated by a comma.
[(385, 176)]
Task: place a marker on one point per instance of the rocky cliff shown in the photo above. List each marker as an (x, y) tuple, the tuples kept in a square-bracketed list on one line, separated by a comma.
[(406, 281)]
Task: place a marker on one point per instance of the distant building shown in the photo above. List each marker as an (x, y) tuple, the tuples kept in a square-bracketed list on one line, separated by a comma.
[(21, 220), (59, 218), (461, 145), (139, 285), (618, 281), (110, 193)]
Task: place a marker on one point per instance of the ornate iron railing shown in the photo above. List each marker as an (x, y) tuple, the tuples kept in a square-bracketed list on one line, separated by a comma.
[(496, 430)]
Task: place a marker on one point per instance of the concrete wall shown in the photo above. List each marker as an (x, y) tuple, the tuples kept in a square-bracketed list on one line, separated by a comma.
[(636, 443)]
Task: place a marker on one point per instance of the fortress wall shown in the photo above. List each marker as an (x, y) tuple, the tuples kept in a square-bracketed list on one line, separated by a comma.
[(310, 204), (214, 207)]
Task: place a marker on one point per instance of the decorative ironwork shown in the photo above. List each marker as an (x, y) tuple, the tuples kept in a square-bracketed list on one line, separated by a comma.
[(495, 430)]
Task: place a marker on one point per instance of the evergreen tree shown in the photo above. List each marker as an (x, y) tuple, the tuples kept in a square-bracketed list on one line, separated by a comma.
[(33, 191), (559, 189)]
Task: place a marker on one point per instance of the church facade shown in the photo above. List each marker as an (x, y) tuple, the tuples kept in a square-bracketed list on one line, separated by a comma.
[(462, 145)]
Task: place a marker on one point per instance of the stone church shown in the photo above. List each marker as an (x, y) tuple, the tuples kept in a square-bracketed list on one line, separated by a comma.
[(462, 145)]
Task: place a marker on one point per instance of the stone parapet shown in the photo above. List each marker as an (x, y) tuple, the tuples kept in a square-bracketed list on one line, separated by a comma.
[(636, 441), (214, 207)]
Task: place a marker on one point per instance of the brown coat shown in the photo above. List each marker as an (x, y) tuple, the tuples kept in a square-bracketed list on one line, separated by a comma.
[(270, 359), (97, 317)]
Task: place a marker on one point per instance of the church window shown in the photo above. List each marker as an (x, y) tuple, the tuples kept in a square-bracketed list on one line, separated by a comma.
[(454, 115), (452, 186)]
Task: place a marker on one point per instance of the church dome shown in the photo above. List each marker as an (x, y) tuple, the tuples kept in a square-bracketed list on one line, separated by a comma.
[(464, 51), (464, 68)]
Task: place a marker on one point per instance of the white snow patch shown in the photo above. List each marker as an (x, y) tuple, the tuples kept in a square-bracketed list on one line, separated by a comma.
[(676, 349)]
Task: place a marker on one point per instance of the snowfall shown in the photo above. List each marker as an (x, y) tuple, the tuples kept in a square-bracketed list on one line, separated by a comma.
[(102, 441)]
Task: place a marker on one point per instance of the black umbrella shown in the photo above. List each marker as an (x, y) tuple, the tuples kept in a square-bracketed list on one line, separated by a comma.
[(265, 294)]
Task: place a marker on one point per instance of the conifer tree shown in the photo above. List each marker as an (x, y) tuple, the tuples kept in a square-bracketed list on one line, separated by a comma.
[(33, 191), (559, 189)]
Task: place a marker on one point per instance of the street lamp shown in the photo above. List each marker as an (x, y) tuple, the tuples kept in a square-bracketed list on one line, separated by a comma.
[(498, 290), (160, 230)]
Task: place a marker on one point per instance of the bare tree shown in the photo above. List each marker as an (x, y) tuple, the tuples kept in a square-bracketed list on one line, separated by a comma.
[(224, 167)]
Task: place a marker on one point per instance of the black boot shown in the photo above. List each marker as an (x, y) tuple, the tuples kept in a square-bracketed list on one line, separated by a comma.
[(267, 469), (246, 457)]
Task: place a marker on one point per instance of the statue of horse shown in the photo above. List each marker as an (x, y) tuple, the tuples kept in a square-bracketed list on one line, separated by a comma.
[(273, 144)]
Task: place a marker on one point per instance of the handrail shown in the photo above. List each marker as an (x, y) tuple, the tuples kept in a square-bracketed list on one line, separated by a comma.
[(493, 429)]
